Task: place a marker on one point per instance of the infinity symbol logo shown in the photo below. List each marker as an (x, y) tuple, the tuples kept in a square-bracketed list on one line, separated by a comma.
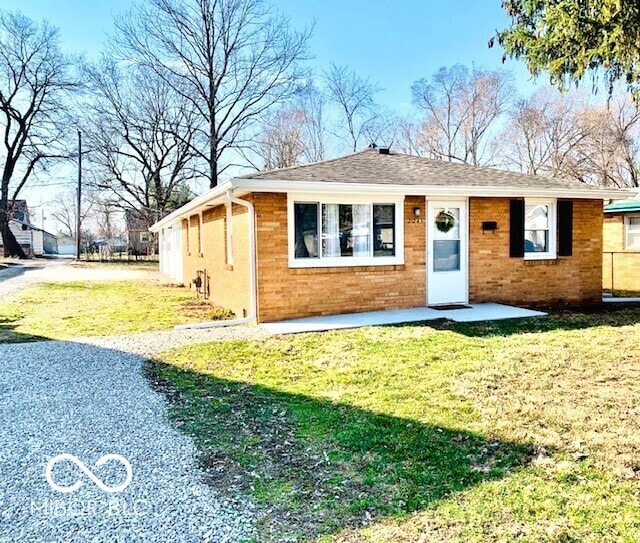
[(75, 460)]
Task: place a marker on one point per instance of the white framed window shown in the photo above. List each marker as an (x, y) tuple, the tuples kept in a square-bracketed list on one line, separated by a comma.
[(540, 229), (144, 237), (347, 231), (632, 232), (228, 223)]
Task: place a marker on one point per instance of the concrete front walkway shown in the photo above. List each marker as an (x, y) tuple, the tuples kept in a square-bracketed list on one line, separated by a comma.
[(473, 313)]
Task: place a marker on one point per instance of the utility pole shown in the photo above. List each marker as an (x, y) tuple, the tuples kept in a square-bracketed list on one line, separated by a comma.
[(78, 216)]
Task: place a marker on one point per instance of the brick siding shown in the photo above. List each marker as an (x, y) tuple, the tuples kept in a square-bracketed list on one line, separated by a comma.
[(496, 277), (285, 292), (229, 286)]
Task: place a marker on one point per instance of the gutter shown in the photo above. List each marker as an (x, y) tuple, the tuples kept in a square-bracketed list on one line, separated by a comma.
[(252, 274)]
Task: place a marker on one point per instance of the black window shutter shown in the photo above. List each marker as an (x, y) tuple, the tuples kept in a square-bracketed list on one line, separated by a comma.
[(565, 228), (516, 229)]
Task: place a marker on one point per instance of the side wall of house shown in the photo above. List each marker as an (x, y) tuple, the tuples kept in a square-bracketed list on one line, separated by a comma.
[(619, 264), (496, 277), (229, 284), (285, 293)]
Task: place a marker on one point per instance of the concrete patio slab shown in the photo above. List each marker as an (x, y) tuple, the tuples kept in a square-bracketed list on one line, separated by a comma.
[(473, 313)]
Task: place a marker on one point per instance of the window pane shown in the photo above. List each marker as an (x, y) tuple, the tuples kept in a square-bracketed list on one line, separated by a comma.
[(346, 230), (634, 224), (361, 229), (633, 239), (536, 241), (306, 230), (446, 255), (384, 230), (537, 217), (330, 230)]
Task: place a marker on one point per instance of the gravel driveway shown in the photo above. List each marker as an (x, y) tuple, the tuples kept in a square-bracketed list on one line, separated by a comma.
[(89, 401)]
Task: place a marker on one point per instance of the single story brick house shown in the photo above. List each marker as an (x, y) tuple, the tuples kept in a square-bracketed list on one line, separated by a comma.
[(621, 245), (381, 230)]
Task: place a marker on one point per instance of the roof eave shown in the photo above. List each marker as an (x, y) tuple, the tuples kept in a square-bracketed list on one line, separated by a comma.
[(190, 208), (261, 185), (279, 185)]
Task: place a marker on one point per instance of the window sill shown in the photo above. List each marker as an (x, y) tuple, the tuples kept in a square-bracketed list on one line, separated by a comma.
[(346, 263), (351, 270), (542, 256)]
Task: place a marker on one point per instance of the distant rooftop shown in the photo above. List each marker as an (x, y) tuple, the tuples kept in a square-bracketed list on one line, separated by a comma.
[(621, 206)]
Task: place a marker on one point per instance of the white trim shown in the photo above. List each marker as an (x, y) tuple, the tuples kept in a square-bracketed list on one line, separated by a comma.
[(463, 203), (552, 223), (192, 207), (200, 234), (262, 185), (627, 245), (325, 187), (338, 262), (229, 225), (188, 218)]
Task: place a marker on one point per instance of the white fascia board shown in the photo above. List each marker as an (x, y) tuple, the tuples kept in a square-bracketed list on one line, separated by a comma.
[(193, 207), (260, 185)]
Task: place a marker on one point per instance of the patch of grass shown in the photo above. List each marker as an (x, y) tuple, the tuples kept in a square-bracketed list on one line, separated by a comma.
[(512, 430), (114, 264), (66, 310)]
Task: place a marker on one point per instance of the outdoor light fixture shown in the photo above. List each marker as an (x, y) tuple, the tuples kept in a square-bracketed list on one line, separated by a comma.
[(416, 211)]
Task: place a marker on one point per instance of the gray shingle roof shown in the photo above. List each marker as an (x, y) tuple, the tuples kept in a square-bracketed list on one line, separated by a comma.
[(371, 166)]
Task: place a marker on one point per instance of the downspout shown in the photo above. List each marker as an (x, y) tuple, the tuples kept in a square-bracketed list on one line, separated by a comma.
[(252, 274)]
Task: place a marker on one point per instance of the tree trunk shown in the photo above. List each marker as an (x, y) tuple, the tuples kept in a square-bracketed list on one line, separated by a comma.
[(11, 246)]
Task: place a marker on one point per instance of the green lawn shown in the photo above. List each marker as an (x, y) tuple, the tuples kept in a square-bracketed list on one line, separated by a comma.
[(509, 431), (147, 265), (97, 308)]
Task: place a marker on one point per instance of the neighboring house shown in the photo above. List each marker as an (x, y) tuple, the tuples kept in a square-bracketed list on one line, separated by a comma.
[(137, 232), (66, 245), (380, 230), (33, 240), (621, 247)]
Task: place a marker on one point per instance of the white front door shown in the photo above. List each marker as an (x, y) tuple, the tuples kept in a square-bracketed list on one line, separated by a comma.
[(447, 255)]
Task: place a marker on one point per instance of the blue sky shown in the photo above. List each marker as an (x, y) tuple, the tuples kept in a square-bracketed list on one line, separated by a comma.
[(394, 42)]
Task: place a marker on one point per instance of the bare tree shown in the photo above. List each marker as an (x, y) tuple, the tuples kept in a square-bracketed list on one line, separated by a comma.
[(108, 218), (140, 133), (547, 134), (313, 105), (461, 109), (293, 134), (282, 144), (65, 211), (353, 96), (610, 154), (232, 59), (34, 82)]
